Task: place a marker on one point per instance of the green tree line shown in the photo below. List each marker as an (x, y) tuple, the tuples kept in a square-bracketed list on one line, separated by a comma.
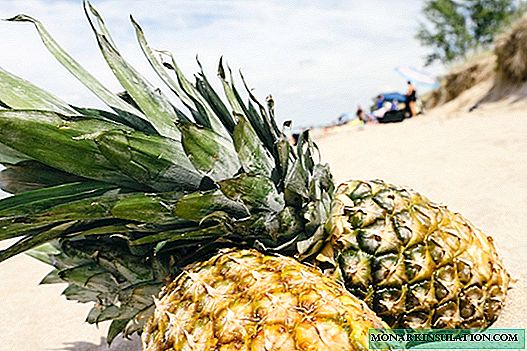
[(455, 27)]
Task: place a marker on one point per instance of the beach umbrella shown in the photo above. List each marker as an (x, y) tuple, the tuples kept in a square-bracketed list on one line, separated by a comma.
[(418, 77)]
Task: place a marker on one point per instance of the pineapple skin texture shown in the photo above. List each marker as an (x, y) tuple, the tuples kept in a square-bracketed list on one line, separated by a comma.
[(415, 263), (243, 300)]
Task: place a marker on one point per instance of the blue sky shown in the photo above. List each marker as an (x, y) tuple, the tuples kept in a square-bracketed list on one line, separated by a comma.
[(318, 58)]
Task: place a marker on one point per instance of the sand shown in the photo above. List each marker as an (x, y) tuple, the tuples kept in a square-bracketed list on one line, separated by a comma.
[(474, 162)]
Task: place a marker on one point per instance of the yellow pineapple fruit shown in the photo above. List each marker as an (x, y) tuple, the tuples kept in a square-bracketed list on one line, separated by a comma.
[(243, 300)]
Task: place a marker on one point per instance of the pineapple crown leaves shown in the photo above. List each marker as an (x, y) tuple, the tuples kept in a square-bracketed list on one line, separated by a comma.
[(105, 196)]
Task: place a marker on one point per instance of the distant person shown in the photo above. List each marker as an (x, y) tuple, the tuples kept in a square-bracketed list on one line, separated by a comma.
[(379, 102), (411, 98), (343, 119), (294, 138), (360, 114), (382, 108), (395, 105), (365, 118), (380, 112)]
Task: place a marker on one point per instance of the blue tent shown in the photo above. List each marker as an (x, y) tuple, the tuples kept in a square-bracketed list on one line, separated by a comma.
[(394, 96)]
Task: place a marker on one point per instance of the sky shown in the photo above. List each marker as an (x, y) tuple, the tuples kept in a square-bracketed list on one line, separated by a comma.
[(318, 59)]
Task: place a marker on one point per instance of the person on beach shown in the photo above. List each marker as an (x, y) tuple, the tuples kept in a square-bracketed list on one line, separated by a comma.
[(343, 119), (411, 98), (380, 101), (365, 118), (294, 138), (360, 114)]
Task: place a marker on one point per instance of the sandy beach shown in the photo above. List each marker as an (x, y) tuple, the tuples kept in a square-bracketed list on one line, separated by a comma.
[(476, 163)]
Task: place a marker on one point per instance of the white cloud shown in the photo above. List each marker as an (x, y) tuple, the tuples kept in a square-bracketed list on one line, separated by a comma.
[(318, 58)]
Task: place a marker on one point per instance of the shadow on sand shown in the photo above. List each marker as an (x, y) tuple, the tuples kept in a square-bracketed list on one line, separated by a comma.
[(119, 344)]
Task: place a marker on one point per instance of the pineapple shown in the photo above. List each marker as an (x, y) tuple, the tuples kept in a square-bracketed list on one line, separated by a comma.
[(257, 302), (414, 262), (120, 201)]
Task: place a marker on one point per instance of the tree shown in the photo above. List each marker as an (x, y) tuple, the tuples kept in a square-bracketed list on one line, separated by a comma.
[(453, 27)]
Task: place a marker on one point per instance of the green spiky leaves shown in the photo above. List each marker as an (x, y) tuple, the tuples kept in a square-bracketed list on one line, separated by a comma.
[(121, 285), (117, 201)]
